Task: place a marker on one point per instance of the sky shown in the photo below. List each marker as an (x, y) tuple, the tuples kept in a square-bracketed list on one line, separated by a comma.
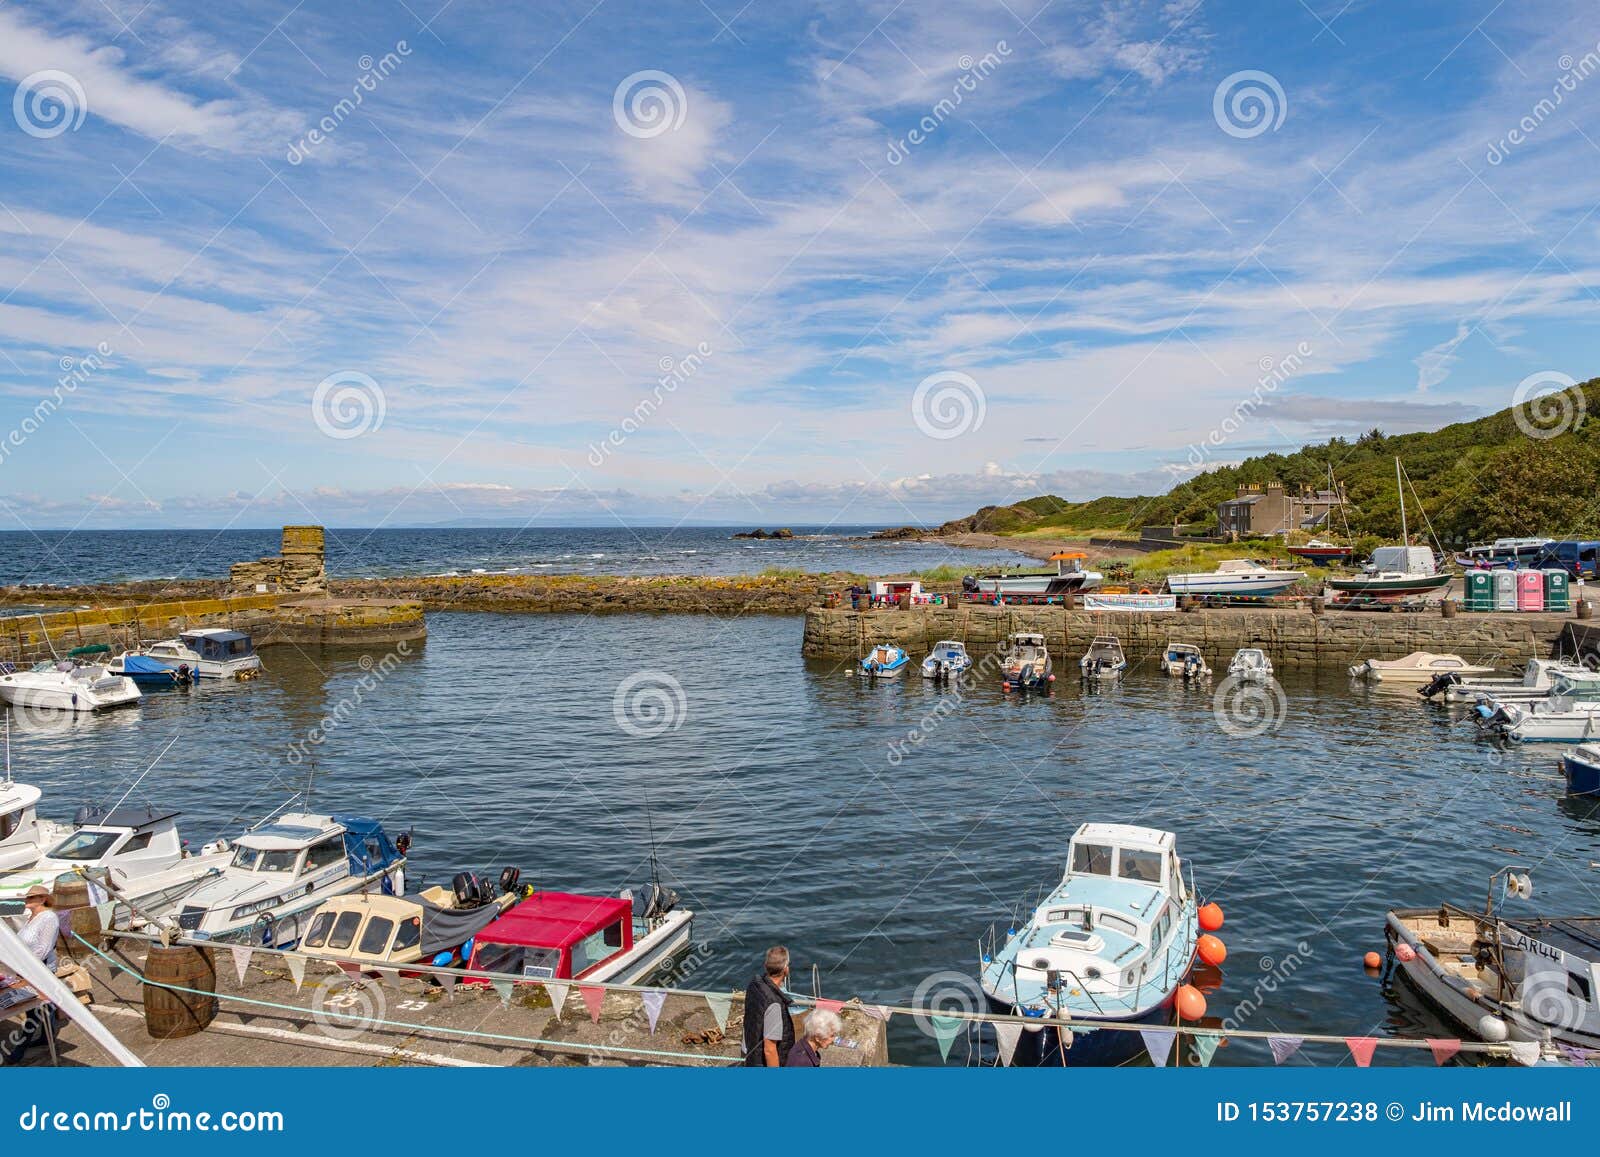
[(390, 262)]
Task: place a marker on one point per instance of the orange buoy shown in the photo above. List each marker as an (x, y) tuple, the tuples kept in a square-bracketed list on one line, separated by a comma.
[(1212, 950), (1005, 686), (1372, 960), (1191, 1003), (1405, 952), (1211, 917)]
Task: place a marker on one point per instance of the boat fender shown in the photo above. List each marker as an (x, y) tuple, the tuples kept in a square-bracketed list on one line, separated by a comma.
[(1492, 1028), (442, 960), (466, 950)]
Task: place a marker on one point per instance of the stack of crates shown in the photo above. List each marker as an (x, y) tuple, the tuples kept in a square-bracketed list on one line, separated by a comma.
[(1505, 590), (1480, 590), (1557, 590)]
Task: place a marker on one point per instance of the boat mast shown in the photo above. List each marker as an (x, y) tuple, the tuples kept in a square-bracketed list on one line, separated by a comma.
[(7, 778), (1405, 537)]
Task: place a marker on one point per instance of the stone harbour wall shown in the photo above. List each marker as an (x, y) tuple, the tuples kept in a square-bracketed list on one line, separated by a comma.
[(298, 568), (1291, 638)]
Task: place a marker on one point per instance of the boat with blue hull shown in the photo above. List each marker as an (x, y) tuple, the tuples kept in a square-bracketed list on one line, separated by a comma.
[(885, 661), (1581, 766), (1113, 942), (947, 661)]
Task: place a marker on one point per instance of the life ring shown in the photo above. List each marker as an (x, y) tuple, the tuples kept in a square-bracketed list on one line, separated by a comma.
[(1144, 590)]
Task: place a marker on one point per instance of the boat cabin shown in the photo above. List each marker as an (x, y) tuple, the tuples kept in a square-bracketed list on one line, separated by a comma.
[(18, 822), (128, 843), (1069, 562), (1124, 852), (211, 644), (555, 936)]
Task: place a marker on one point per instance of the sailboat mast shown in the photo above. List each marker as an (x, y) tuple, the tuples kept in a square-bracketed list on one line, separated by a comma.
[(1405, 537)]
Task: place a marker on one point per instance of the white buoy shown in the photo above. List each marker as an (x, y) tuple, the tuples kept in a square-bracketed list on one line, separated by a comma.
[(1492, 1028)]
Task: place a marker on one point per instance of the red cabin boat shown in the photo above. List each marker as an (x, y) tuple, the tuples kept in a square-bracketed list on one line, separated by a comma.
[(565, 936)]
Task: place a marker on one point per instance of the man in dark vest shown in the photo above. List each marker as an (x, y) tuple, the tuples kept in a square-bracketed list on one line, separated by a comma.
[(768, 1029)]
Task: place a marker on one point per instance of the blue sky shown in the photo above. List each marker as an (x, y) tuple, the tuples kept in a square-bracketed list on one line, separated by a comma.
[(759, 264)]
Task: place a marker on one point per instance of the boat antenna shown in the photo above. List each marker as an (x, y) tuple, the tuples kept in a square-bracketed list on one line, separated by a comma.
[(175, 737), (650, 827), (311, 779)]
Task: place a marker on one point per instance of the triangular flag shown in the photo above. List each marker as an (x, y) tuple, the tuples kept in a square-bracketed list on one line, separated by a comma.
[(1524, 1052), (558, 993), (1443, 1050), (1158, 1043), (1284, 1047), (882, 1011), (1008, 1033), (241, 960), (503, 987), (653, 1000), (106, 912), (719, 1008), (945, 1031), (297, 969), (1205, 1047), (389, 976), (1574, 1054), (829, 1005), (594, 1000), (1361, 1048), (447, 981)]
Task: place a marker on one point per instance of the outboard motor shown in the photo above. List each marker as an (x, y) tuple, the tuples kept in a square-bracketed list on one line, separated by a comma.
[(468, 889), (1438, 684), (653, 900), (969, 584), (508, 879)]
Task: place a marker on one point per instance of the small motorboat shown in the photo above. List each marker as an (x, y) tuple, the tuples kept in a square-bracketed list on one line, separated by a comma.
[(947, 661), (1320, 553), (1184, 661), (148, 672), (885, 661), (1104, 658), (1558, 719), (1069, 577), (1233, 578), (1026, 666), (62, 685), (208, 653), (1418, 667), (436, 926), (624, 939), (1581, 766), (283, 870), (1112, 942), (1250, 664), (24, 837), (1538, 680), (1500, 979)]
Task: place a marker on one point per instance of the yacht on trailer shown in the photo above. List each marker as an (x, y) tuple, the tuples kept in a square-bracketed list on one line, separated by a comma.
[(1235, 577), (1069, 577), (1396, 572)]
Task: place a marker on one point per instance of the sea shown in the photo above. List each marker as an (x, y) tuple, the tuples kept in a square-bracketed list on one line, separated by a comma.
[(66, 558), (879, 831)]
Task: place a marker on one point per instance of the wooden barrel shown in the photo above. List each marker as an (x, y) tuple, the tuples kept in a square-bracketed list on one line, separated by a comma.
[(1585, 608), (1448, 608), (69, 898), (169, 1014), (1318, 604)]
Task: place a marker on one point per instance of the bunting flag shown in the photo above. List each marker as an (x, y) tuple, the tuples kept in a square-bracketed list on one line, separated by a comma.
[(1361, 1048), (447, 981), (297, 970), (1008, 1035), (882, 1011), (1284, 1047), (1205, 1047), (594, 1000), (1158, 1043), (503, 987), (1443, 1050), (105, 912), (241, 960), (719, 1007), (830, 1005), (653, 1000), (1524, 1052), (558, 993), (945, 1030), (1574, 1054), (389, 976)]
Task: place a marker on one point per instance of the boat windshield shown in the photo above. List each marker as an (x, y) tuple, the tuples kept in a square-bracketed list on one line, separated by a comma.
[(1142, 866), (258, 860), (1093, 859), (85, 845)]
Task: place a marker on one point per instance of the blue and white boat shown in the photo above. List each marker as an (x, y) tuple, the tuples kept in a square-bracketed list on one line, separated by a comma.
[(948, 660), (1112, 942), (885, 661), (148, 672), (1581, 766), (1104, 658)]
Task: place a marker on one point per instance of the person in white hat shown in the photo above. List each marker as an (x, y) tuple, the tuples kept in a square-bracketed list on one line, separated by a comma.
[(43, 927)]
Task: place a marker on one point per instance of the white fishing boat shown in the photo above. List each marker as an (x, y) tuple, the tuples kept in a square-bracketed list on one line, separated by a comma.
[(1104, 658), (1537, 681), (206, 653), (1026, 665), (1565, 718), (1250, 664), (1069, 577), (1417, 667), (1184, 661), (134, 852), (948, 660), (1236, 577), (283, 870), (24, 837), (66, 686)]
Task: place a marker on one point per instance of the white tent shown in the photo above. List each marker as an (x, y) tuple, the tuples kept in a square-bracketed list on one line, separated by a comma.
[(18, 961)]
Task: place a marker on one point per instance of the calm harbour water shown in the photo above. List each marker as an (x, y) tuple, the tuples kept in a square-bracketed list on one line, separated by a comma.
[(90, 556), (779, 817)]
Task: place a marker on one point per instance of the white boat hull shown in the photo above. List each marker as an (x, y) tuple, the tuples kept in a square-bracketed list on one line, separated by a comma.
[(1247, 583), (650, 953), (26, 690)]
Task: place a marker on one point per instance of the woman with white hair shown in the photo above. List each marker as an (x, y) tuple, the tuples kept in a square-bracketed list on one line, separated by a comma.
[(822, 1029)]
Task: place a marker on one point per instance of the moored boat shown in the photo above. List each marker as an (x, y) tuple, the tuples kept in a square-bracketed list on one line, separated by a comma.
[(436, 926), (885, 661), (148, 672), (1581, 766), (1069, 577), (948, 660), (1235, 578), (67, 686), (1319, 553), (1104, 658), (1538, 680), (1111, 943), (1250, 664), (1027, 665), (1558, 719), (1418, 667), (207, 653), (1184, 660)]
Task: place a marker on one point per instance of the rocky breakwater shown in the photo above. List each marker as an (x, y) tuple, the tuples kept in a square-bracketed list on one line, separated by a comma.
[(1291, 638), (598, 594)]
